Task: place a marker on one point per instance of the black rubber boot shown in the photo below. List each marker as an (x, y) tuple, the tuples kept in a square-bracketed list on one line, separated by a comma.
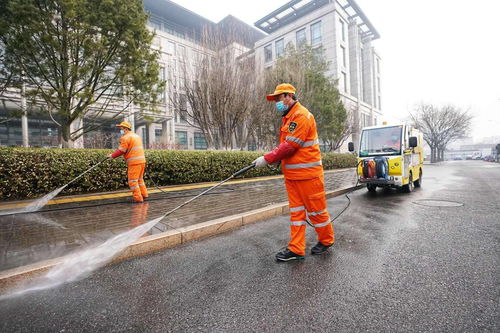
[(319, 248)]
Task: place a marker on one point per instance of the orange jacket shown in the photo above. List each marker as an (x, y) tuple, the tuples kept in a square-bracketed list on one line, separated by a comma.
[(298, 130), (131, 148)]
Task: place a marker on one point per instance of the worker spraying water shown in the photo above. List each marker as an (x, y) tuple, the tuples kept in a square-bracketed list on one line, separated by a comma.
[(132, 150)]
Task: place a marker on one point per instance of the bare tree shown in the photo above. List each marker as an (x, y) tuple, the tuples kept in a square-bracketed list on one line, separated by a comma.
[(216, 102), (440, 126), (306, 69)]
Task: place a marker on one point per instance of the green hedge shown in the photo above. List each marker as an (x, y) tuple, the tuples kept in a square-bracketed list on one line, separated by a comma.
[(30, 173)]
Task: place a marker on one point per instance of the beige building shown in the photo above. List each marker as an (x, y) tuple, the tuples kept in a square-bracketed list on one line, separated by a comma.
[(337, 26), (345, 34)]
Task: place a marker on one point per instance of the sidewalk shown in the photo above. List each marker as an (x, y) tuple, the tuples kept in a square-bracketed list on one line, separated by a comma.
[(72, 222)]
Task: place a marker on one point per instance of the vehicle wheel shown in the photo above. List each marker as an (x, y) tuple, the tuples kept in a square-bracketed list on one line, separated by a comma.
[(371, 188), (418, 182), (408, 187)]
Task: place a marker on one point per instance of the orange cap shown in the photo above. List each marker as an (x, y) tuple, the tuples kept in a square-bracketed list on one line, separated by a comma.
[(125, 124), (281, 89)]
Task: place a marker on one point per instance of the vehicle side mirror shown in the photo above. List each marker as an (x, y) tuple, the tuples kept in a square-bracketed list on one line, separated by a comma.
[(350, 146), (413, 141)]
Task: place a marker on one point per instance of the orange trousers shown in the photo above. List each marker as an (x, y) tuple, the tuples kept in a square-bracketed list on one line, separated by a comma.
[(136, 181), (307, 200)]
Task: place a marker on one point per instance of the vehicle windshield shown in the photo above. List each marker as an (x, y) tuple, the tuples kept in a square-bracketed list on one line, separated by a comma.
[(381, 141)]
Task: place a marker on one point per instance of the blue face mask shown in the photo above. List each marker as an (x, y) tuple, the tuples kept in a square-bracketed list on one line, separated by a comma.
[(281, 107), (122, 132)]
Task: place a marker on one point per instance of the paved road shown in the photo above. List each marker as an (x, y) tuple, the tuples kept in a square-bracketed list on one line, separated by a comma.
[(397, 266)]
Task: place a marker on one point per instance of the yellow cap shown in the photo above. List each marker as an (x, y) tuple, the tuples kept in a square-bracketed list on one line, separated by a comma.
[(281, 89), (124, 124)]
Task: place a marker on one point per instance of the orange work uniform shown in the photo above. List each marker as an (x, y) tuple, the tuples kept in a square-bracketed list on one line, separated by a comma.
[(132, 150), (304, 180)]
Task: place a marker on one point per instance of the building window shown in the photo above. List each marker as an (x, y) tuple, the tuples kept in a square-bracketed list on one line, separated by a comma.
[(378, 66), (374, 121), (182, 108), (199, 141), (181, 138), (342, 29), (316, 33), (365, 120), (268, 53), (301, 37), (162, 79), (280, 47), (379, 103), (171, 48), (378, 85), (158, 133), (344, 61), (344, 81), (144, 135), (182, 52)]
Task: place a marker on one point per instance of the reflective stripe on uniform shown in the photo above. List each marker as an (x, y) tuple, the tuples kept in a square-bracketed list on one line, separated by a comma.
[(122, 149), (324, 224), (310, 143), (134, 187), (316, 213), (298, 223), (140, 147), (303, 165), (132, 180), (297, 209), (302, 143), (294, 139), (135, 158)]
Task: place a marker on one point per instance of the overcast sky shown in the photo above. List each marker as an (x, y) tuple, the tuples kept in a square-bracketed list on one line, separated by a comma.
[(435, 51)]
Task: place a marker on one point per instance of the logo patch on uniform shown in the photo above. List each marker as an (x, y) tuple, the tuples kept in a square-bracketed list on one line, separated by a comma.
[(292, 126)]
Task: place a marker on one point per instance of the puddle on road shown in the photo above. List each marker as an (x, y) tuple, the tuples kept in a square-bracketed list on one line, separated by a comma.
[(438, 203)]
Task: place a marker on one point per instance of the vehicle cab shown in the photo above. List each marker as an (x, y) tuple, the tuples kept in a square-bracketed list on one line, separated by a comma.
[(390, 156)]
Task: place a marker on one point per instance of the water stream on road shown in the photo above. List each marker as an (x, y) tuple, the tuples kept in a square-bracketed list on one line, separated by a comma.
[(35, 205), (80, 264)]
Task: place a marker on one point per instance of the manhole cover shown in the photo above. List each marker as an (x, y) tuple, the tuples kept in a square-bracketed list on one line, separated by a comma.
[(438, 203)]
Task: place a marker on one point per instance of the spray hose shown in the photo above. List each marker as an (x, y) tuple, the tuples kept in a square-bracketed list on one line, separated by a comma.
[(88, 170), (237, 173)]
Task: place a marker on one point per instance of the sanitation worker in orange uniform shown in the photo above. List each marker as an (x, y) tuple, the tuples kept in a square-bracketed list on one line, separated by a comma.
[(302, 168), (133, 152)]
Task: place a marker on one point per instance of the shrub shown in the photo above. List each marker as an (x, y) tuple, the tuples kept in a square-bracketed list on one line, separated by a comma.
[(30, 173)]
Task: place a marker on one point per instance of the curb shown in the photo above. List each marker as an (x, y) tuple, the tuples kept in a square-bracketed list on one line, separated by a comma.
[(9, 279), (5, 206)]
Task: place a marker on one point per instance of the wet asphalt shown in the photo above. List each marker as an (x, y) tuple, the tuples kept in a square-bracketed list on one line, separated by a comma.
[(421, 262)]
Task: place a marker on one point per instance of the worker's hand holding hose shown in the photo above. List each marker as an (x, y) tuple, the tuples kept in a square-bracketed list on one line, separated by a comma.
[(260, 162)]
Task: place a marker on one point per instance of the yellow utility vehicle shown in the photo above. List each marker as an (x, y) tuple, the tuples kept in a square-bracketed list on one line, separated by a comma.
[(390, 156)]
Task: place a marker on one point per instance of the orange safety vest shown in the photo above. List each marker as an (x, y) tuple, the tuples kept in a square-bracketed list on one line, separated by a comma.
[(298, 128), (131, 146)]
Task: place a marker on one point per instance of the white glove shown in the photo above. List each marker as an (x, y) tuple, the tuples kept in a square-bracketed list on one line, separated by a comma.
[(260, 162)]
